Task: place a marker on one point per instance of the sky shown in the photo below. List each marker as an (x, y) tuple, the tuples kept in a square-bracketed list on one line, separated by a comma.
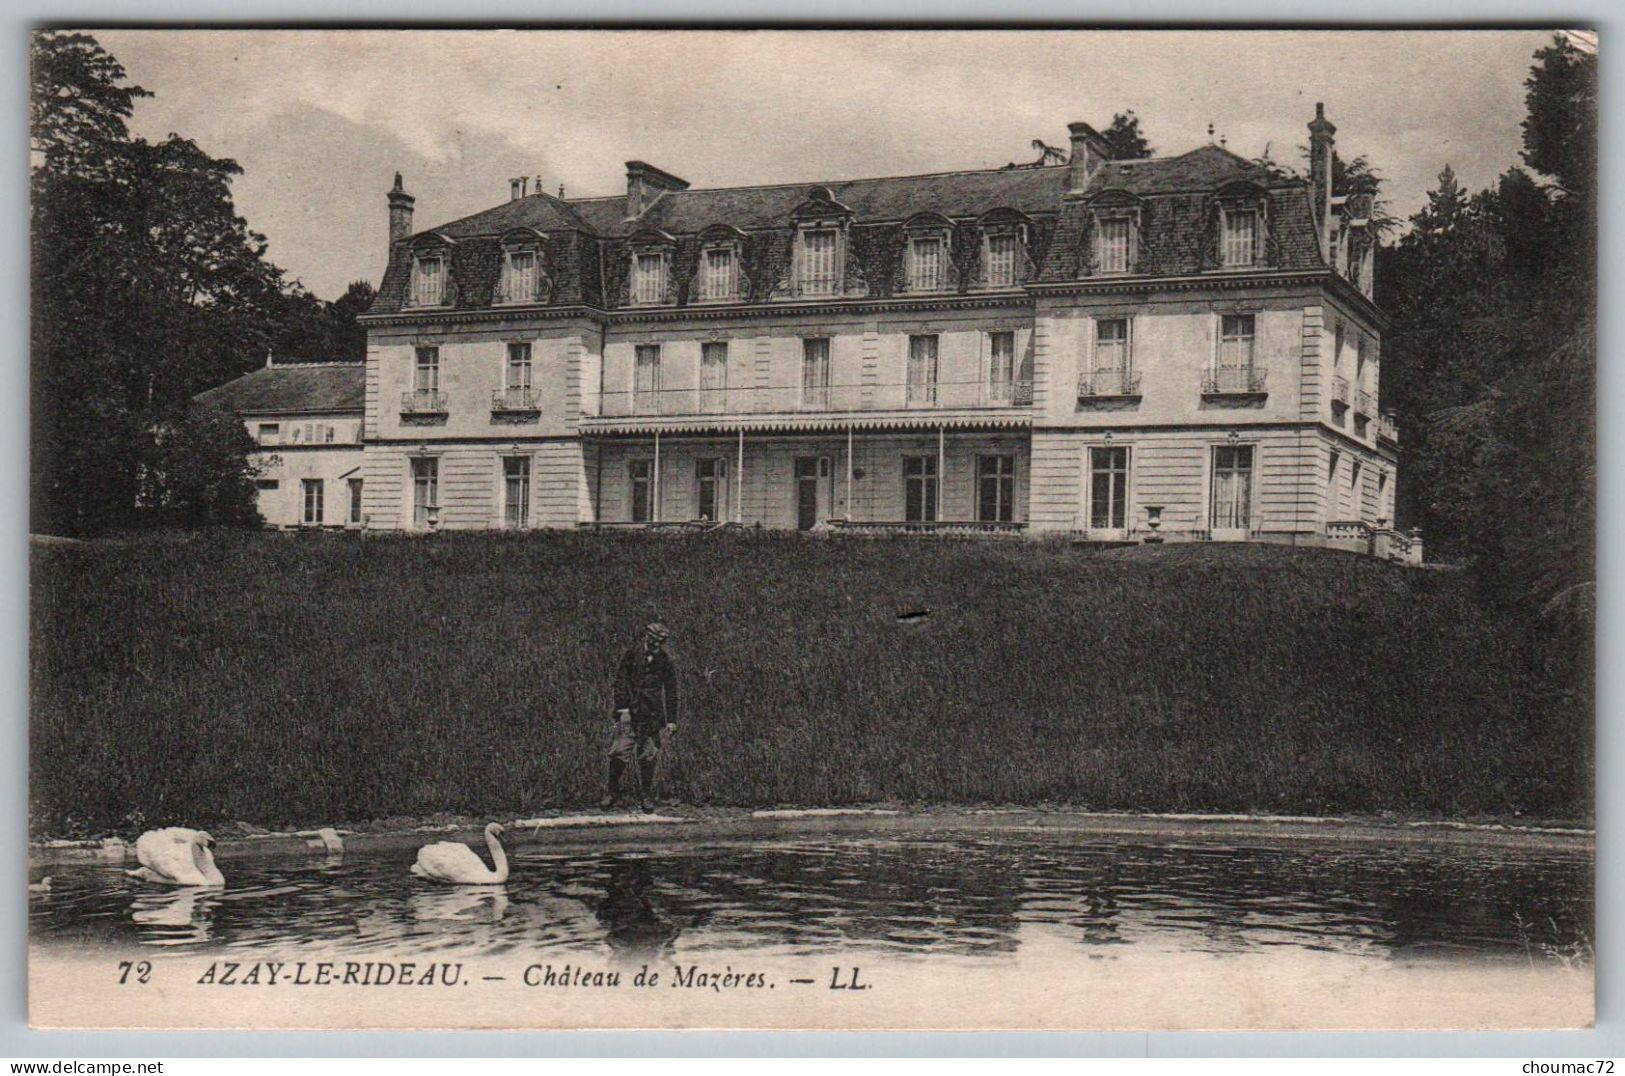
[(321, 120)]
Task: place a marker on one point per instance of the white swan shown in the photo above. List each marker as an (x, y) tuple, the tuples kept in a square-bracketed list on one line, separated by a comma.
[(449, 861), (176, 856), (41, 886)]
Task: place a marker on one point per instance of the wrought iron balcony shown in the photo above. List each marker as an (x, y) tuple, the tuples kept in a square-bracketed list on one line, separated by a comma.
[(768, 399), (1096, 383), (423, 402), (1234, 381), (514, 400)]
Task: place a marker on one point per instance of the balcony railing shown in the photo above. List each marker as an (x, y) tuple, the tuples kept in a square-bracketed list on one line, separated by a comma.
[(1108, 383), (423, 402), (1366, 404), (765, 399), (1340, 390), (514, 400), (946, 528), (1233, 381)]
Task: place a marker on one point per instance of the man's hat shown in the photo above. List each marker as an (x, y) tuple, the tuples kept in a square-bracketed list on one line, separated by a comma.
[(658, 631)]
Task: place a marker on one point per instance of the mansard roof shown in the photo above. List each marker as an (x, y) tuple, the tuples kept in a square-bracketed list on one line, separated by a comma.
[(292, 387), (587, 237)]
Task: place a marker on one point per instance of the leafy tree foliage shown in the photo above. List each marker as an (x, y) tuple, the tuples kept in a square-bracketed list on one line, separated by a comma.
[(1125, 139), (198, 471), (1492, 353), (147, 287)]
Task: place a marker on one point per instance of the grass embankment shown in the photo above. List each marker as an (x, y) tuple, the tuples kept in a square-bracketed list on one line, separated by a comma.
[(316, 679)]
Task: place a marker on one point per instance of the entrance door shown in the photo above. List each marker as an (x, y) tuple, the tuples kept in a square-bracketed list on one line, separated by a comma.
[(813, 491), (1231, 511)]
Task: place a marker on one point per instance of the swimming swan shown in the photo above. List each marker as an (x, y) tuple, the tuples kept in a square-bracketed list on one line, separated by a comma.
[(176, 856), (449, 861)]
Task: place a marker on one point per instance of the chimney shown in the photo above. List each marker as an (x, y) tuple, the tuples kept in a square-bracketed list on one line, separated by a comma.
[(1089, 152), (645, 183), (1321, 148), (400, 213), (517, 187)]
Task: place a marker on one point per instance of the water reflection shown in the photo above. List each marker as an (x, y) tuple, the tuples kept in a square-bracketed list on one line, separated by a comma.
[(175, 916), (633, 923), (965, 896)]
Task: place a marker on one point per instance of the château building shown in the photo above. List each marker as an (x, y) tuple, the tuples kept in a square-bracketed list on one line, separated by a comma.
[(1186, 345)]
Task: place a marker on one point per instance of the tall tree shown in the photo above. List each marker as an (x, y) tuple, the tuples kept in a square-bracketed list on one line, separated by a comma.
[(1125, 139), (147, 286)]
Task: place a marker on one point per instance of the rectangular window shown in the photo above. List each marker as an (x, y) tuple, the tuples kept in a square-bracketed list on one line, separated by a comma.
[(313, 501), (1240, 237), (922, 369), (925, 264), (1114, 244), (1001, 261), (1112, 354), (649, 279), (1232, 487), (1235, 353), (711, 489), (995, 488), (425, 488), (516, 491), (269, 433), (920, 489), (646, 379), (520, 285), (1108, 488), (640, 475), (714, 376), (819, 275), (267, 484), (428, 282), (355, 500), (815, 372), (1001, 365), (719, 279), (517, 377), (426, 375)]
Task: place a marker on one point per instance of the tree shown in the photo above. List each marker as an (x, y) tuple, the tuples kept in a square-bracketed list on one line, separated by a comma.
[(1125, 139), (199, 472), (1560, 133), (147, 286)]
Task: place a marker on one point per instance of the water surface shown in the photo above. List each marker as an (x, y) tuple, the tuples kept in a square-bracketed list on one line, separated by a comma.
[(973, 897)]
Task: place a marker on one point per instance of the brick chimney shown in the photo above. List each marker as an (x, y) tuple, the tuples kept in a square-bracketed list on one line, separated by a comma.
[(644, 183), (517, 186), (400, 213), (1089, 152), (1321, 148)]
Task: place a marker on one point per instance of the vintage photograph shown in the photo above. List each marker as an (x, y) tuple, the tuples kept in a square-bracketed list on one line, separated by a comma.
[(792, 529)]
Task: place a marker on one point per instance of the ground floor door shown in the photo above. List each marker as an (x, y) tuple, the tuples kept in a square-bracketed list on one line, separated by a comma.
[(814, 491), (1108, 492), (1230, 513)]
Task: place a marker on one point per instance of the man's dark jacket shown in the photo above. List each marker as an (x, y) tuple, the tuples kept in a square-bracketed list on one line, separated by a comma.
[(646, 684)]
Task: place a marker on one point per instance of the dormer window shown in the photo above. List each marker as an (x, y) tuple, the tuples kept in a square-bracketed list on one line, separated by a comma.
[(1001, 260), (819, 270), (719, 274), (649, 278), (429, 280), (925, 263), (1240, 242), (1115, 243), (521, 275)]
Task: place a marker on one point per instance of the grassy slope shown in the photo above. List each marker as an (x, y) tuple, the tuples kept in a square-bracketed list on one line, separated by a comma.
[(328, 678)]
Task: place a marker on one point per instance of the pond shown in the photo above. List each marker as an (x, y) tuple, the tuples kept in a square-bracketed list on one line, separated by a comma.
[(959, 897)]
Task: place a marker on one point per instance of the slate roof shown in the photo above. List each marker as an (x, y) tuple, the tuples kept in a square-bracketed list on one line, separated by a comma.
[(586, 256), (293, 387)]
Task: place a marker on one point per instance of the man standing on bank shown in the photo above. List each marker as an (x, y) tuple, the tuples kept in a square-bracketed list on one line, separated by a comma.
[(645, 713)]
